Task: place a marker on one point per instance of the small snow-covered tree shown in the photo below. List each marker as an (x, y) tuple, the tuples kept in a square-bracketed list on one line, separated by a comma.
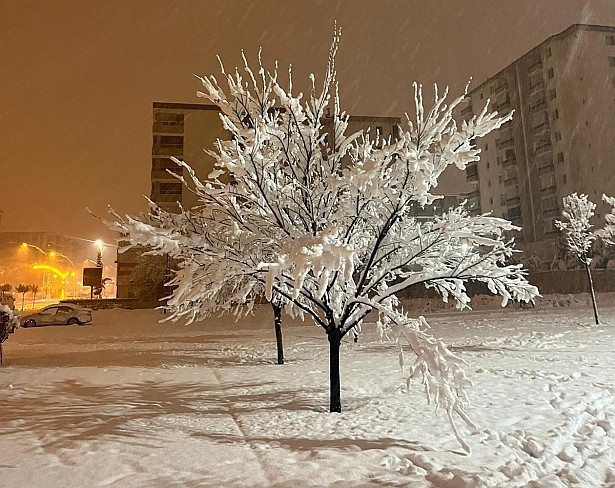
[(607, 233), (576, 226), (321, 219)]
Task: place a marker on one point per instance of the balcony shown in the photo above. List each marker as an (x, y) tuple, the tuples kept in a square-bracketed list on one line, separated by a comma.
[(513, 213), (551, 212), (472, 172), (466, 112), (545, 165), (503, 106), (513, 200), (536, 65), (162, 174), (502, 144), (511, 180), (542, 146), (539, 104), (548, 190), (510, 161), (540, 128), (499, 88), (167, 151), (167, 129), (536, 88), (156, 197)]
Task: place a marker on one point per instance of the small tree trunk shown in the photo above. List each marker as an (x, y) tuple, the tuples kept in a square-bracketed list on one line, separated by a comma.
[(335, 340), (593, 294), (277, 323)]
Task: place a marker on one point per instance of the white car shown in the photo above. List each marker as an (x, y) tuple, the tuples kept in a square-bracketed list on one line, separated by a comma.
[(61, 313)]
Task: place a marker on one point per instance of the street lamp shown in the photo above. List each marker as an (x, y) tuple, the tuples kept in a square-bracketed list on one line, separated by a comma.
[(56, 253), (25, 245)]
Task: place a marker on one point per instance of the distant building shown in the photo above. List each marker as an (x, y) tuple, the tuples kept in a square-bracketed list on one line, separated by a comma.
[(185, 131), (562, 136)]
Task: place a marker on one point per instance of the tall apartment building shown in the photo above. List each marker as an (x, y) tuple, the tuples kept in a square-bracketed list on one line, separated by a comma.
[(562, 136), (186, 130)]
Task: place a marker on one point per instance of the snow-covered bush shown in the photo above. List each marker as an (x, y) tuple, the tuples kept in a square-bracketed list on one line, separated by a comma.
[(576, 226), (9, 321), (322, 219)]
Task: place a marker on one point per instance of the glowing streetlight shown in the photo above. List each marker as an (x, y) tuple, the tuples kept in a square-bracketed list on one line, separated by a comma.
[(25, 245), (56, 253)]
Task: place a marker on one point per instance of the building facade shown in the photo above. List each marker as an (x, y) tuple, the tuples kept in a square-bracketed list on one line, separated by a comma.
[(561, 138)]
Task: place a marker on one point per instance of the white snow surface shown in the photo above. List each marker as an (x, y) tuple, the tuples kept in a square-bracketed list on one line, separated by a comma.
[(129, 402)]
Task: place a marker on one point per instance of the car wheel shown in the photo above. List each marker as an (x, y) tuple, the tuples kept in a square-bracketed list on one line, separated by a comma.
[(73, 321), (29, 323)]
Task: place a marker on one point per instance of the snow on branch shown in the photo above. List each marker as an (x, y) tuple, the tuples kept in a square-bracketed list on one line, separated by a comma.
[(440, 371)]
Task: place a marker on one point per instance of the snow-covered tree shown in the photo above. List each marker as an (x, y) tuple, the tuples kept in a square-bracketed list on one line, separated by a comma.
[(607, 233), (299, 209), (9, 321), (576, 226)]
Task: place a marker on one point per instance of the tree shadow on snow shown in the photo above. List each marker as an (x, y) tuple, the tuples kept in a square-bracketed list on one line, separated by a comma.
[(64, 414)]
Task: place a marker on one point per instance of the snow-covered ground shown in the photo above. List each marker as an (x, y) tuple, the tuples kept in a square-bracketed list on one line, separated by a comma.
[(128, 402)]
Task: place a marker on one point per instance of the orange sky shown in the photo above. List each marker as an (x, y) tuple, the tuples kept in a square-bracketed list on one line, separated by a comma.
[(79, 77)]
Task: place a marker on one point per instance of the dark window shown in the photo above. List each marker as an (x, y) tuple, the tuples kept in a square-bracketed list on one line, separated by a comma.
[(560, 157), (170, 188), (488, 164), (610, 39), (552, 94), (548, 53), (379, 130), (171, 141), (169, 119), (550, 73), (611, 61), (564, 178), (491, 200), (555, 114), (165, 163)]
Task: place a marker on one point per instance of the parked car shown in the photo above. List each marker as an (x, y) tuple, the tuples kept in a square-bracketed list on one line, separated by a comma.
[(61, 313)]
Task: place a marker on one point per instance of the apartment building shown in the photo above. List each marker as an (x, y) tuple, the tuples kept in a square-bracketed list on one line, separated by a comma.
[(562, 136)]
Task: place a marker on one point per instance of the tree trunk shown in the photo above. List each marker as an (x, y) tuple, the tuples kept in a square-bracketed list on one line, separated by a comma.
[(335, 340), (277, 323), (593, 294)]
